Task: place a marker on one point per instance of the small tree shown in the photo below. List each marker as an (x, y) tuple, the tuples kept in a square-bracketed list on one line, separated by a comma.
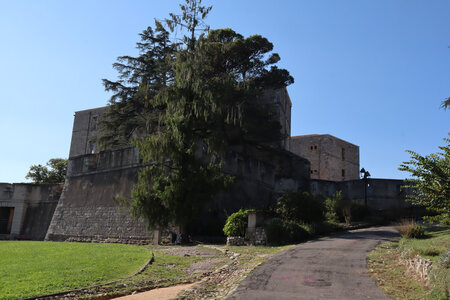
[(430, 184), (53, 172)]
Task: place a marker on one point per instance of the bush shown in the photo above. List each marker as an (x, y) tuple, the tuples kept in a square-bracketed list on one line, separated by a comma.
[(358, 211), (294, 232), (236, 223), (300, 207), (274, 231), (280, 232), (409, 229), (334, 206), (324, 228)]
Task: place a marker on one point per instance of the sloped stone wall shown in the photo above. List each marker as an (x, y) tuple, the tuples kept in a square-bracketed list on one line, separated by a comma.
[(89, 206)]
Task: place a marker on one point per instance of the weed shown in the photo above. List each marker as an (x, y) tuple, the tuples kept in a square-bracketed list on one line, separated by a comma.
[(408, 228)]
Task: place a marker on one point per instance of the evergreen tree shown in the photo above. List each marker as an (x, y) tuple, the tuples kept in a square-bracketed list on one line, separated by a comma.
[(131, 112), (214, 99), (446, 103)]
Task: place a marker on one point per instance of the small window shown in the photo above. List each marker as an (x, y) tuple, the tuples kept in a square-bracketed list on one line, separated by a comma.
[(315, 171), (312, 147), (315, 147), (343, 153), (94, 122), (91, 147), (343, 172), (311, 171)]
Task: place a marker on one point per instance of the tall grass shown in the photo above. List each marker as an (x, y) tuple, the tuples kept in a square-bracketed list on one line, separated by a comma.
[(408, 228)]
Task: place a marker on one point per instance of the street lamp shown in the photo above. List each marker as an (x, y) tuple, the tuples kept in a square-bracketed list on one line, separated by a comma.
[(365, 176)]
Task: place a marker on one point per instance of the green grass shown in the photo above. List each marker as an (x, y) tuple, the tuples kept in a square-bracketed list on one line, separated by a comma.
[(385, 266), (36, 268), (436, 241)]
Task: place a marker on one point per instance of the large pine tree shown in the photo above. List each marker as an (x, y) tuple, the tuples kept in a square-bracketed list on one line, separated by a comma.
[(183, 105)]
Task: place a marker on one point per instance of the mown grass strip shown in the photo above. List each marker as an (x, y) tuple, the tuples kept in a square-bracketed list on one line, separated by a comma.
[(36, 268)]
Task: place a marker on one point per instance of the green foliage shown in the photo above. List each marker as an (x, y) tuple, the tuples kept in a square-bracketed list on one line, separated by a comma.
[(300, 207), (279, 232), (53, 172), (236, 223), (182, 105), (334, 206), (430, 184), (324, 228), (358, 211), (446, 103)]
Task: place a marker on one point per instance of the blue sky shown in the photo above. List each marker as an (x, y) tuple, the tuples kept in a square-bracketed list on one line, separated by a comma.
[(370, 72)]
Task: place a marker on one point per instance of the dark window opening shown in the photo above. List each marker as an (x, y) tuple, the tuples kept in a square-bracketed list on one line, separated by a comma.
[(94, 122), (6, 217), (343, 172), (315, 147)]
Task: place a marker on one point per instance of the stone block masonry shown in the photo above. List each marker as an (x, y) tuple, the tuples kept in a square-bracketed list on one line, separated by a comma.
[(89, 206)]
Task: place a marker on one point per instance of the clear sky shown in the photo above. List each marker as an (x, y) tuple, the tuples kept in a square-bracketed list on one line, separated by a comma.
[(369, 72)]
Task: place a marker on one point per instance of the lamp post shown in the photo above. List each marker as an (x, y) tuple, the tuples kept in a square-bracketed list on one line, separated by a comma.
[(365, 177)]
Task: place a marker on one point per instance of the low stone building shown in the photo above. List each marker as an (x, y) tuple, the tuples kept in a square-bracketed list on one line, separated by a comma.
[(331, 158), (26, 209)]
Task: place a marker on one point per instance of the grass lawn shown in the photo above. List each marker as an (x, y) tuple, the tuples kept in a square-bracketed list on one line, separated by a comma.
[(384, 265), (35, 268), (436, 241)]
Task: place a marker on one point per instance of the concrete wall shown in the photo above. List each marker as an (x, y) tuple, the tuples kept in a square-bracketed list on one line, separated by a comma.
[(85, 127), (33, 205), (382, 194), (331, 158)]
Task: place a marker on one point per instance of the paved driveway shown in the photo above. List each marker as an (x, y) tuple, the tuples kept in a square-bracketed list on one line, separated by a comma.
[(327, 268)]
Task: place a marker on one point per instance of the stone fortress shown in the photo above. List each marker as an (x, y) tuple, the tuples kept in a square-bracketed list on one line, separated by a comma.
[(88, 207)]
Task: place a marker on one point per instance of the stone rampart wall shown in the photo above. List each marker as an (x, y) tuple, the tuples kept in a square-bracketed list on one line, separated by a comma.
[(89, 208)]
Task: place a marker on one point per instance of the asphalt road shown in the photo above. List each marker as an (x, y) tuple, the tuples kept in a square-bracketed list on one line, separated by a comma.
[(328, 268)]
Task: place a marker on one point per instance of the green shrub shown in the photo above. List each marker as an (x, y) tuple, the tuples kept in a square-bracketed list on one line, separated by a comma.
[(300, 207), (334, 206), (236, 223), (294, 232), (358, 211), (274, 231), (324, 228), (409, 229), (279, 232)]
